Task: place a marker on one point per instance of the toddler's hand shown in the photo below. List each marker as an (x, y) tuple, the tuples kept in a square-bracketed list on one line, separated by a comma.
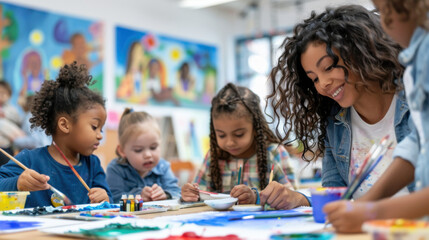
[(30, 180), (146, 194), (190, 192), (244, 194), (279, 196), (348, 217), (97, 195), (158, 193)]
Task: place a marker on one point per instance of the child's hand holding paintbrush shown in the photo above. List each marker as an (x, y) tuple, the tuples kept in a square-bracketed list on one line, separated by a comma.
[(30, 180), (190, 192)]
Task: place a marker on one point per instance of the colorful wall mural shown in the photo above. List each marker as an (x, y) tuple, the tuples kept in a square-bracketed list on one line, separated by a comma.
[(159, 70), (35, 44)]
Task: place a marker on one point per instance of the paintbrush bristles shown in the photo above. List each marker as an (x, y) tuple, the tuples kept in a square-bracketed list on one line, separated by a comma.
[(368, 165)]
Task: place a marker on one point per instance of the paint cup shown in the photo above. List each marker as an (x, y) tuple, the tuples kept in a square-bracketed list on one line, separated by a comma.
[(12, 200), (397, 229), (321, 196)]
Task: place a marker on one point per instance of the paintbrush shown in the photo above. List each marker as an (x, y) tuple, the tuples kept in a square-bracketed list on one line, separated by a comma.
[(61, 195), (375, 155), (71, 167)]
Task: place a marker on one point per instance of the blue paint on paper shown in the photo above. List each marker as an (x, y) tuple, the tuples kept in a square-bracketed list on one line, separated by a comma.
[(14, 224)]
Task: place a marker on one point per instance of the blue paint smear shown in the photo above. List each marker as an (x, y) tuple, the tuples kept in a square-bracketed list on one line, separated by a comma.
[(14, 224), (224, 218)]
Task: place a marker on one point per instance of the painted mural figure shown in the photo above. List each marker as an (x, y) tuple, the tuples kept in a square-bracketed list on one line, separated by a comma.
[(132, 85), (185, 86), (157, 84)]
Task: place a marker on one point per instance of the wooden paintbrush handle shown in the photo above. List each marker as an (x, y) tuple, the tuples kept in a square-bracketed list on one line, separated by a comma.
[(14, 159)]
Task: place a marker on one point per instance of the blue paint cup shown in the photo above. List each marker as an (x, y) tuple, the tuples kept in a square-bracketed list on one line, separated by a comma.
[(322, 196)]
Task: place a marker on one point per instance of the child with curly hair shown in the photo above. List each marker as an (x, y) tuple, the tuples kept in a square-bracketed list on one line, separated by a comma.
[(73, 115), (239, 138), (336, 84)]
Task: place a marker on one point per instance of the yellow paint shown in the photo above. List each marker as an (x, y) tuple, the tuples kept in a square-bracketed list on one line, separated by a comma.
[(12, 200)]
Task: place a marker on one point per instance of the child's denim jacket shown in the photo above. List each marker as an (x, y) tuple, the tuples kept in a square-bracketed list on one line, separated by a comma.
[(415, 147), (338, 141)]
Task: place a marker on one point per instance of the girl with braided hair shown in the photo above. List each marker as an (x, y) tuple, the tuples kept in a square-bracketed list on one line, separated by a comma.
[(73, 115), (239, 138)]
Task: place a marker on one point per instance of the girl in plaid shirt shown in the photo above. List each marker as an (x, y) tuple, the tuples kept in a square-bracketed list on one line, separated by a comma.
[(239, 138)]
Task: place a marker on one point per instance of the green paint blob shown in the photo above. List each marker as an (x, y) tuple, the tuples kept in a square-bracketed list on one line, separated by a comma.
[(113, 230)]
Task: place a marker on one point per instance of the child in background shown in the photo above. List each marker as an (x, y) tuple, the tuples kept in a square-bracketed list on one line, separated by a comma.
[(339, 90), (406, 22), (35, 137), (139, 169), (74, 115), (9, 122), (239, 137)]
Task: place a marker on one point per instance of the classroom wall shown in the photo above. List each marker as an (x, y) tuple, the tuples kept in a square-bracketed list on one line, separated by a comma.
[(163, 17)]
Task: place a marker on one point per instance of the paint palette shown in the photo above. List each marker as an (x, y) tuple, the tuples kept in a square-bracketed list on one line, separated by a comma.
[(398, 229), (204, 195), (221, 204)]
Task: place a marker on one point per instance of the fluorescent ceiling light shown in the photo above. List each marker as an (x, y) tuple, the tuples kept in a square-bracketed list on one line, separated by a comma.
[(202, 3)]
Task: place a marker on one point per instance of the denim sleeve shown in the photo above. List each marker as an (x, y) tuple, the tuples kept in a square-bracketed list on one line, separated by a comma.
[(116, 180), (330, 175), (169, 183), (408, 148)]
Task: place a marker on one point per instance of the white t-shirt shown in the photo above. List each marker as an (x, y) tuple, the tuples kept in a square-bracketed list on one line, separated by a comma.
[(364, 135)]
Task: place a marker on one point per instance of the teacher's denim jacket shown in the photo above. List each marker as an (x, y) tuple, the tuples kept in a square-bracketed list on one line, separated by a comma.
[(338, 141), (415, 148)]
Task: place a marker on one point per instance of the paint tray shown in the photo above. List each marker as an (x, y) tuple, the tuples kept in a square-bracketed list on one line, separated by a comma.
[(12, 200)]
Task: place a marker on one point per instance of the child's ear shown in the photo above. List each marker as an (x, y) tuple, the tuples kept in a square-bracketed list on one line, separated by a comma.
[(64, 124), (120, 151)]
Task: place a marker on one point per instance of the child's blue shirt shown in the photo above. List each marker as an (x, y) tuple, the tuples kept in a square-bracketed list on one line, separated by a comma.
[(61, 176), (415, 147), (124, 179)]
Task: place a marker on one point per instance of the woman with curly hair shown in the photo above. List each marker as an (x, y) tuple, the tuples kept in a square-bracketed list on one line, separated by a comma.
[(407, 22), (337, 84), (73, 115), (239, 138)]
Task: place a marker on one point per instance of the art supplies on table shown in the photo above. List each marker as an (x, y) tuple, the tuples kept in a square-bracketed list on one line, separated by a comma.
[(398, 229), (49, 210), (204, 195), (11, 224), (221, 204)]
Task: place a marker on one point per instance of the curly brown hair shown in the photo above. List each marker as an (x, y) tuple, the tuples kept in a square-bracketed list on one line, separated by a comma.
[(366, 51), (229, 101), (68, 94), (417, 9)]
